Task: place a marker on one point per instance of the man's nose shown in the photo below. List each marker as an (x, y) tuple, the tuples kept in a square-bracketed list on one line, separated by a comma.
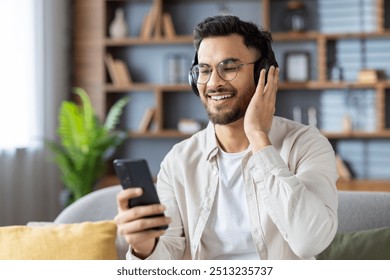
[(215, 80)]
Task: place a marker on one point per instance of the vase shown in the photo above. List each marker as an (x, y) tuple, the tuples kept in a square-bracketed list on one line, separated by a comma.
[(118, 27), (296, 16)]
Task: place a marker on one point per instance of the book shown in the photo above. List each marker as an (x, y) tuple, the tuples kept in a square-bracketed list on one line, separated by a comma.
[(147, 119), (123, 72), (158, 18), (147, 26), (153, 21), (112, 69), (168, 27)]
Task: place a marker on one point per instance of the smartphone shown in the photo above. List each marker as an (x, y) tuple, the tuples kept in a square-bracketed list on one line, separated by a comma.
[(135, 173)]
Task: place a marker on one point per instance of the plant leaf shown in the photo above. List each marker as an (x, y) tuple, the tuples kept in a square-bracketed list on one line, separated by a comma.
[(115, 112), (88, 112)]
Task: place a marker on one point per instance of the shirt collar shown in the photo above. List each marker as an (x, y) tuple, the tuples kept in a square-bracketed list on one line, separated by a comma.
[(212, 146), (211, 140)]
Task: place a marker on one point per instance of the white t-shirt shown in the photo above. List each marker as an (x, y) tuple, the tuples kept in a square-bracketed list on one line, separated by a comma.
[(228, 233)]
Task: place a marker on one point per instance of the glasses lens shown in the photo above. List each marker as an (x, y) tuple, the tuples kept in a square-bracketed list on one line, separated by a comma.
[(227, 70), (201, 73)]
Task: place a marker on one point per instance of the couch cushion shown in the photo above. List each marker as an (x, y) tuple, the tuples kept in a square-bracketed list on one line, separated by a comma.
[(360, 210), (368, 244), (81, 241)]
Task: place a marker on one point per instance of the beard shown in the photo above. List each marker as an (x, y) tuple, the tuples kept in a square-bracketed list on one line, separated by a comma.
[(223, 114)]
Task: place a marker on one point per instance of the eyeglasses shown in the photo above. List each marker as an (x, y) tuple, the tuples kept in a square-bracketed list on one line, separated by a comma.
[(227, 70)]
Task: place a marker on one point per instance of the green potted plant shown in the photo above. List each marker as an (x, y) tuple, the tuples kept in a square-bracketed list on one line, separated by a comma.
[(85, 143)]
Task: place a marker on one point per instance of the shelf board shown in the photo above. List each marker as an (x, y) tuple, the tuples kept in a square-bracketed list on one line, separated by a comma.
[(165, 133), (277, 36), (295, 36), (314, 35), (357, 134), (359, 35), (310, 85), (110, 88), (364, 185), (134, 41)]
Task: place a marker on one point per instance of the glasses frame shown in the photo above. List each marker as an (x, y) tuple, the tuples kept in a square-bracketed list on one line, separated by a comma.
[(238, 65)]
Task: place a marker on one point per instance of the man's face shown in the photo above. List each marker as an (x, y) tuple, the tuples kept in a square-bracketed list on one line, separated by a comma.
[(226, 101)]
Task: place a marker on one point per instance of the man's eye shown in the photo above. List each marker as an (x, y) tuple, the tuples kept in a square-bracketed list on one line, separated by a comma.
[(229, 68), (204, 71)]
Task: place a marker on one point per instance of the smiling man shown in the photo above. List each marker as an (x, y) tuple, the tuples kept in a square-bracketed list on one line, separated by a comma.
[(251, 185)]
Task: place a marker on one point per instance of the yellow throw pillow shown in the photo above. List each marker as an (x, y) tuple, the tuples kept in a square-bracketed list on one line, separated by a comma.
[(82, 241)]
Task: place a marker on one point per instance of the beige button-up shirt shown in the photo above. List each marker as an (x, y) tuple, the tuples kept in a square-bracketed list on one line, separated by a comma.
[(290, 189)]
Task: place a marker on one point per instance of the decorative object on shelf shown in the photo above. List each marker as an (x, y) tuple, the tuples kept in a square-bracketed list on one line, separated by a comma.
[(223, 8), (177, 68), (336, 74), (85, 143), (118, 26), (366, 75), (297, 66), (342, 169), (360, 106), (297, 114), (189, 126), (370, 76), (312, 116), (296, 16), (347, 123)]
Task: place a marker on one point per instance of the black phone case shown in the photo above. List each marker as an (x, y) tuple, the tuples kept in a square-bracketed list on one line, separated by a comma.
[(136, 173)]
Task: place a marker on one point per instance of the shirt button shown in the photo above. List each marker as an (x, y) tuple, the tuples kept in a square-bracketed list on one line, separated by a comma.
[(215, 172)]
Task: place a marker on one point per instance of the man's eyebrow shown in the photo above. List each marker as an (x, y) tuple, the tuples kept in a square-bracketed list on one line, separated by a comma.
[(230, 59), (234, 59)]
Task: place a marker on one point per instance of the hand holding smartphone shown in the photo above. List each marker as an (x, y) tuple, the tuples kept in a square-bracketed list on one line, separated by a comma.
[(136, 173)]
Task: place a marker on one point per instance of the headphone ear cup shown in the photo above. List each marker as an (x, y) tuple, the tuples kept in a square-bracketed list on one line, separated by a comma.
[(193, 84), (190, 78), (260, 64)]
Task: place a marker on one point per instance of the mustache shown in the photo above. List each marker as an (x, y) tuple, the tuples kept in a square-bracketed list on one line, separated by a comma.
[(219, 90)]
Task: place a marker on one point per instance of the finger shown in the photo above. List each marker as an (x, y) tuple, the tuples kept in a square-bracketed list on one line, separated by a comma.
[(276, 77), (272, 81), (275, 82), (138, 213), (123, 197), (270, 76), (260, 84), (142, 225), (139, 237), (145, 211), (150, 223), (271, 73)]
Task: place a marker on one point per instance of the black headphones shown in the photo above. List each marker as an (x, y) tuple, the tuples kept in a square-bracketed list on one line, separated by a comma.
[(265, 62)]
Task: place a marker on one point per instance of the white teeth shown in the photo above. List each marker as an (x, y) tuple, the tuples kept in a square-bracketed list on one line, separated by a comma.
[(220, 97)]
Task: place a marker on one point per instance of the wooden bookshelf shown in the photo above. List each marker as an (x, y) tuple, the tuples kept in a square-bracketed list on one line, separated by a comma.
[(92, 43)]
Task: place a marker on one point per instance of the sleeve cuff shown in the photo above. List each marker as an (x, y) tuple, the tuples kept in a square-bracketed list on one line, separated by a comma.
[(266, 162)]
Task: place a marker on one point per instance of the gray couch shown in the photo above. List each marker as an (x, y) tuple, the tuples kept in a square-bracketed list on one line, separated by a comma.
[(357, 211)]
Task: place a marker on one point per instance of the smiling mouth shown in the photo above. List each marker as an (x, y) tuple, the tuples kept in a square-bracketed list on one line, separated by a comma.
[(220, 97)]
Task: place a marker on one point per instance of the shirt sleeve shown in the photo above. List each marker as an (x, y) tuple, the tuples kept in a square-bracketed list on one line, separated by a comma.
[(297, 187)]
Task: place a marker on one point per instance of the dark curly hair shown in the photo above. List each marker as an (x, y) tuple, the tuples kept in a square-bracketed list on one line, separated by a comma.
[(254, 36)]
